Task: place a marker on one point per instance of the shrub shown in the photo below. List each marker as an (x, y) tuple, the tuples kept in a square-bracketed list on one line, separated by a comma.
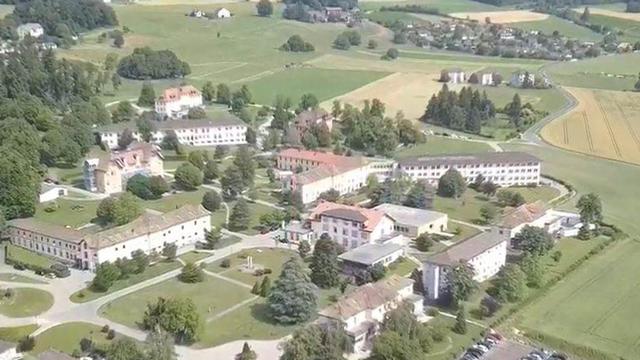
[(226, 263), (433, 312), (25, 344), (556, 256), (111, 334), (105, 328)]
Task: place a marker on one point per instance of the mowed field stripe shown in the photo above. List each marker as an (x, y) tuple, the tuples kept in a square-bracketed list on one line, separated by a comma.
[(630, 127), (588, 131), (607, 123)]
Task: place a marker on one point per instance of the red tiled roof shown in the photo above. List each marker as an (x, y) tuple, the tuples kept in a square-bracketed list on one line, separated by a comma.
[(370, 217), (174, 94), (321, 157), (523, 214)]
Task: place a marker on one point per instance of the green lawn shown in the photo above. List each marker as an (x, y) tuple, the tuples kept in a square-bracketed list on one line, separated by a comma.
[(564, 27), (472, 61), (210, 297), (401, 267), (630, 28), (454, 343), (29, 257), (255, 210), (20, 278), (175, 201), (266, 257), (323, 83), (466, 231), (67, 212), (152, 271), (66, 337), (572, 250), (616, 72), (14, 334), (437, 145), (193, 256), (26, 302)]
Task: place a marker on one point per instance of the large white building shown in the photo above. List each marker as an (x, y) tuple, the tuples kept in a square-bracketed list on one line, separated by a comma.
[(501, 168), (34, 30), (50, 192), (362, 311), (485, 253), (8, 351), (150, 232), (224, 129), (176, 102)]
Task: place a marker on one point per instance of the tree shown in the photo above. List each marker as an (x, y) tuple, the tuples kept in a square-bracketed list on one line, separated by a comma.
[(106, 274), (140, 260), (378, 272), (188, 177), (146, 127), (265, 287), (460, 284), (139, 186), (147, 95), (390, 345), (170, 251), (533, 240), (418, 196), (510, 283), (223, 94), (585, 15), (304, 248), (191, 273), (247, 353), (196, 113), (212, 239), (158, 186), (19, 183), (118, 41), (120, 210), (199, 158), (341, 42), (145, 63), (488, 188), (307, 102), (231, 182), (208, 91), (177, 316), (295, 43), (514, 110), (391, 54), (510, 198), (637, 85), (317, 341), (451, 184), (160, 346), (325, 271), (460, 326), (124, 348), (292, 299), (116, 81), (211, 200), (264, 8), (125, 139), (424, 242), (240, 216), (372, 45), (488, 213), (243, 160), (590, 207), (533, 269)]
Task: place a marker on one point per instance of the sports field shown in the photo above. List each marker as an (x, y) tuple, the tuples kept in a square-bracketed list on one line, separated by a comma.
[(501, 17), (605, 123)]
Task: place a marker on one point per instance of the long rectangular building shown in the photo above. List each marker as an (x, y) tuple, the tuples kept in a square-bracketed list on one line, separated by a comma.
[(223, 129), (150, 232), (501, 168)]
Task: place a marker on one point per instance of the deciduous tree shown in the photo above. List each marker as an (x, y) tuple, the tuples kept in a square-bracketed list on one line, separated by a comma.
[(188, 177)]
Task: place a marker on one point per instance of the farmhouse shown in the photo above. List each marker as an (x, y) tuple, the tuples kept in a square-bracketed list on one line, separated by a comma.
[(351, 226), (223, 129), (108, 172), (362, 311), (176, 102), (369, 255), (558, 223), (50, 192), (8, 351), (413, 222), (150, 232), (456, 76), (319, 172), (305, 121), (502, 168), (222, 13), (486, 253), (522, 78), (34, 30)]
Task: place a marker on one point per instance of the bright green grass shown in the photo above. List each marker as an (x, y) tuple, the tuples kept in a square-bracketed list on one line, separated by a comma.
[(26, 302), (401, 267), (265, 257), (630, 28), (211, 297), (151, 272), (436, 145), (14, 334), (66, 337), (175, 201), (454, 343), (542, 99), (464, 231), (599, 73), (572, 250), (193, 256), (591, 306), (442, 5), (564, 27), (20, 278), (25, 256), (323, 83), (67, 212)]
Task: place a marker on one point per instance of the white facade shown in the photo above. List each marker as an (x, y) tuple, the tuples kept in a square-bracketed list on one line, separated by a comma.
[(223, 13), (50, 193), (190, 132), (34, 30), (176, 102), (457, 77), (350, 234), (10, 353), (503, 169), (517, 79), (486, 79), (344, 182)]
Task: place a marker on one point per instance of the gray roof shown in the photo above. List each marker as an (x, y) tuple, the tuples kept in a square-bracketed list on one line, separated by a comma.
[(466, 250), (217, 119), (370, 253), (5, 345), (469, 159), (410, 216)]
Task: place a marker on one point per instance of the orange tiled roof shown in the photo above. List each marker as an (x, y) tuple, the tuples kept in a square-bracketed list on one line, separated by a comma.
[(370, 217), (174, 94), (523, 214), (321, 157)]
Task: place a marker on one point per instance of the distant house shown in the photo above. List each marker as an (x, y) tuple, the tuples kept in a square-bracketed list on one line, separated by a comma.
[(518, 78), (362, 311), (49, 45), (8, 351), (34, 30), (486, 79), (222, 13), (197, 13), (51, 192), (455, 76), (337, 14), (485, 253)]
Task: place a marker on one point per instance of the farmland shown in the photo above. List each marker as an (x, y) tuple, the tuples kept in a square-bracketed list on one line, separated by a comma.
[(502, 17), (564, 27), (618, 72), (603, 124)]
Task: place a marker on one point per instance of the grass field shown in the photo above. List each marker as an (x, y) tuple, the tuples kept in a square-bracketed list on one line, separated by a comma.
[(20, 278), (67, 212), (66, 337), (564, 27), (436, 145), (619, 72), (26, 302), (29, 257), (266, 258), (603, 124), (443, 6), (14, 334), (613, 10)]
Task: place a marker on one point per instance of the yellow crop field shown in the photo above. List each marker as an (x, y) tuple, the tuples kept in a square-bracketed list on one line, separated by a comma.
[(502, 17), (605, 124)]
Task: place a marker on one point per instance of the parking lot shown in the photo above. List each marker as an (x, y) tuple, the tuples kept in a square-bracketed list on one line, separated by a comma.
[(508, 350)]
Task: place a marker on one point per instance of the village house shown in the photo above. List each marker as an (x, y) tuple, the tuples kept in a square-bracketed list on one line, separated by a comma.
[(108, 172), (485, 253), (150, 232), (176, 102), (554, 222), (305, 121), (50, 192), (456, 76), (223, 129), (8, 351), (362, 311), (221, 13), (34, 30), (486, 79), (413, 222), (501, 168)]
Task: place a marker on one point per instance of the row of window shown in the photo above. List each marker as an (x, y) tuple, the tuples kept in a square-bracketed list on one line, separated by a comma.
[(472, 166)]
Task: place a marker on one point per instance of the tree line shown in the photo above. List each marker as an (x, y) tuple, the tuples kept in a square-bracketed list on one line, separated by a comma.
[(466, 110), (145, 63)]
